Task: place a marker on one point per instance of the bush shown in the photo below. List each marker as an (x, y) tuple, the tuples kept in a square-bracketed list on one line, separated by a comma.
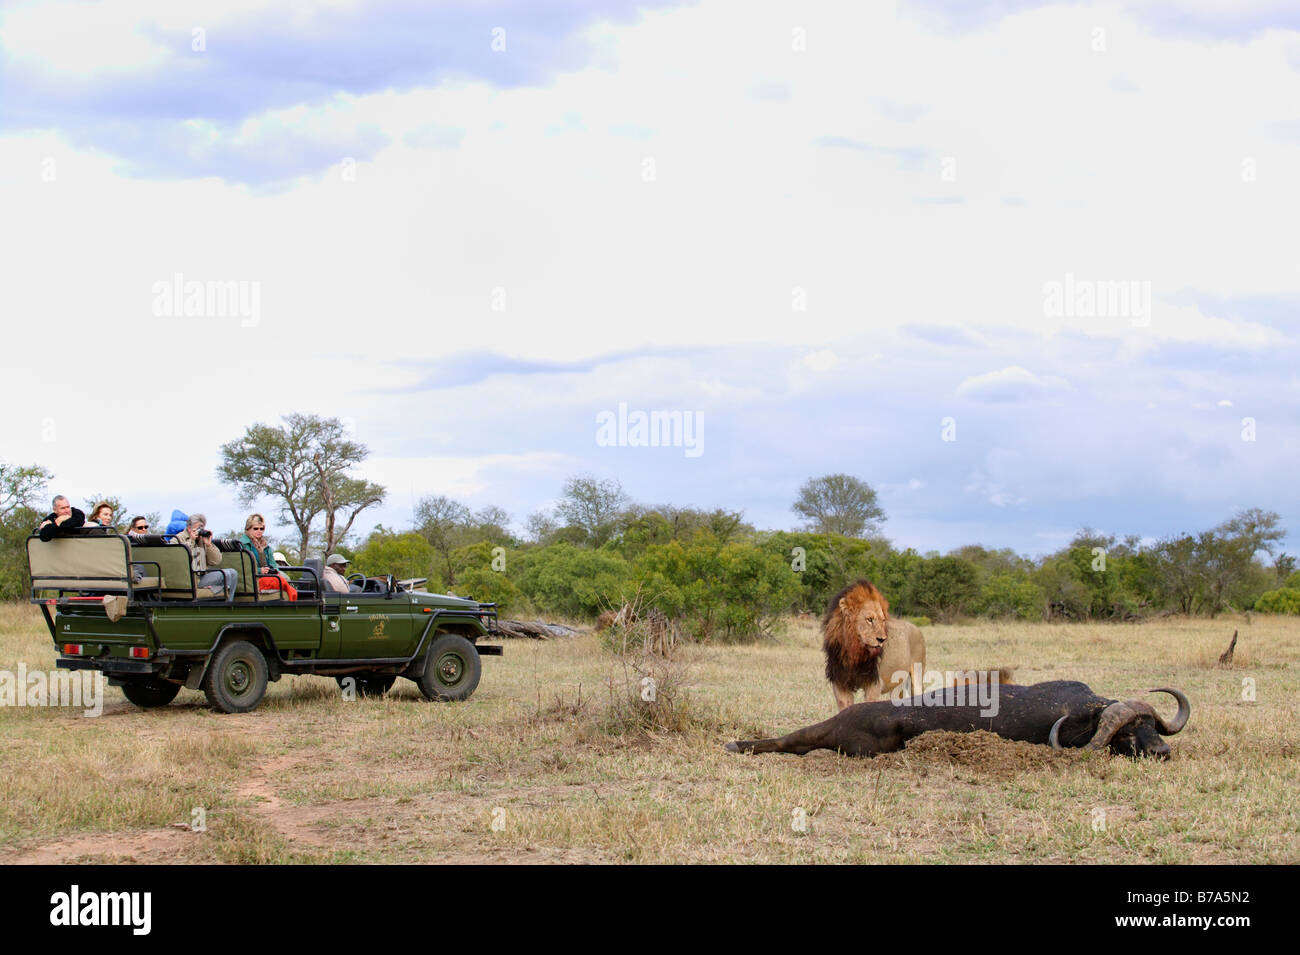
[(730, 593), (1010, 595), (1285, 600), (571, 581), (402, 555), (490, 586), (944, 586)]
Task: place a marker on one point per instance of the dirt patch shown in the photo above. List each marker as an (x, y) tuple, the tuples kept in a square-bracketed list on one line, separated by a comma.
[(148, 845), (983, 751)]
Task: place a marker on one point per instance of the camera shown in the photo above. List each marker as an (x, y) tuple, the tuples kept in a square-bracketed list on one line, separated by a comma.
[(205, 533)]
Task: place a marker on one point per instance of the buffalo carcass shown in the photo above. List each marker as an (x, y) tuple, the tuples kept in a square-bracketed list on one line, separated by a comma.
[(1062, 713)]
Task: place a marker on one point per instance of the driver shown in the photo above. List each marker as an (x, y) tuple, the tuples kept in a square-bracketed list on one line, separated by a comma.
[(336, 568)]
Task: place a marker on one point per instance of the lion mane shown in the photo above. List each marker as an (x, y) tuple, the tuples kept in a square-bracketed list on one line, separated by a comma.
[(848, 665)]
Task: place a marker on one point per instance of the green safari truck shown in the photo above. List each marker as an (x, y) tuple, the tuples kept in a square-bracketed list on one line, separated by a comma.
[(130, 608)]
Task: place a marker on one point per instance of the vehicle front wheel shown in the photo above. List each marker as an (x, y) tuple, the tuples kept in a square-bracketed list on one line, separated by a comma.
[(370, 684), (451, 669), (236, 678), (150, 692)]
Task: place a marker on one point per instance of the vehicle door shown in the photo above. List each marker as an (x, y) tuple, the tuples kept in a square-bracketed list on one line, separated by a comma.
[(374, 625)]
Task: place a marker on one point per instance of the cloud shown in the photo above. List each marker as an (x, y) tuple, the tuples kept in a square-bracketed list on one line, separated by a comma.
[(183, 113), (470, 368), (823, 360), (909, 157), (433, 136), (1010, 384), (940, 334)]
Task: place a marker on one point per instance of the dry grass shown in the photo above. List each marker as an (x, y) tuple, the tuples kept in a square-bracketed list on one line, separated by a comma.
[(541, 765)]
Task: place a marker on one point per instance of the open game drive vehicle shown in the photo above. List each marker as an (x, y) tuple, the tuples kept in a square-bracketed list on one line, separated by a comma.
[(168, 633)]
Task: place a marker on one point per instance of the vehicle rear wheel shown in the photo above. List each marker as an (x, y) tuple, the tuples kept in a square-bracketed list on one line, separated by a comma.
[(150, 692), (451, 669), (236, 678), (370, 684)]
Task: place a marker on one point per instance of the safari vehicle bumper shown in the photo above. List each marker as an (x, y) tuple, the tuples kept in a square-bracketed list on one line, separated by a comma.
[(110, 666)]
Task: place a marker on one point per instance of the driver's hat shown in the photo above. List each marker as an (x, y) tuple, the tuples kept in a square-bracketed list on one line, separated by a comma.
[(333, 559)]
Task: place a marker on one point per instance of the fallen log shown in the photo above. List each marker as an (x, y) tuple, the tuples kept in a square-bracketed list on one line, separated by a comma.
[(534, 629)]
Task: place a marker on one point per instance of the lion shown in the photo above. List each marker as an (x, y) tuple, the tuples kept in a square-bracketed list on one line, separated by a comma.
[(866, 649)]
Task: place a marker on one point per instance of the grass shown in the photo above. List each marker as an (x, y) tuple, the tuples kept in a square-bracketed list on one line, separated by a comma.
[(552, 760)]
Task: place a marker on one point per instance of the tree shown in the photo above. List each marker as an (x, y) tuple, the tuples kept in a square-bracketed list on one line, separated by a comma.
[(1256, 528), (592, 506), (442, 522), (838, 504), (492, 523), (21, 489), (944, 586), (387, 552), (304, 467), (1179, 566), (339, 492), (540, 527), (20, 486)]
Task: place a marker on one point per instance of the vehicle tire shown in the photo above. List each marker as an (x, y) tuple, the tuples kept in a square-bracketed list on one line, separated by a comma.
[(451, 669), (370, 684), (236, 678), (150, 692)]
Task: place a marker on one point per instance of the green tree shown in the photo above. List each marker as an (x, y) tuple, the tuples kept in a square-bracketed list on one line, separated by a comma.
[(573, 581), (402, 554), (1007, 594), (22, 505), (305, 468), (944, 587), (449, 525), (1283, 600), (839, 504), (21, 486), (591, 505)]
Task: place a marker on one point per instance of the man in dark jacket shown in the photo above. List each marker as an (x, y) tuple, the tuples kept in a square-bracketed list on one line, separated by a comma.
[(64, 518)]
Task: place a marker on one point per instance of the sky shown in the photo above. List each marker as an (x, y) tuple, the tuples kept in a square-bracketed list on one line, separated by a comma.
[(1023, 267)]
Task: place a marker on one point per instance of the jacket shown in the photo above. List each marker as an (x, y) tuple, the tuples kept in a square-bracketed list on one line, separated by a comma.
[(52, 530), (263, 558), (200, 557)]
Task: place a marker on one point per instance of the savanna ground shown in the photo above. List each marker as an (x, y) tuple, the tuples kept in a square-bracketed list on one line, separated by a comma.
[(546, 751)]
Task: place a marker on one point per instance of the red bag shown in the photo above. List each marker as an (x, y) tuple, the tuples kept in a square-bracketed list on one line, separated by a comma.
[(280, 583)]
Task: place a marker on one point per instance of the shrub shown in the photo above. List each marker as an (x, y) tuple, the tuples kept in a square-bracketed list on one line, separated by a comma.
[(944, 586), (728, 593), (402, 555), (490, 586), (1285, 600), (1010, 595), (571, 581)]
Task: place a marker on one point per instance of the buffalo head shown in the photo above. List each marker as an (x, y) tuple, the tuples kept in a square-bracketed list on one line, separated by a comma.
[(1133, 727)]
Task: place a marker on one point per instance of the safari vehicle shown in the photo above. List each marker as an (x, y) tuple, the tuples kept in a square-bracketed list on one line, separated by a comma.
[(129, 607)]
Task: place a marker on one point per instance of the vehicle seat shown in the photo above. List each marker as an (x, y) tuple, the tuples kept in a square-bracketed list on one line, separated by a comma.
[(307, 584)]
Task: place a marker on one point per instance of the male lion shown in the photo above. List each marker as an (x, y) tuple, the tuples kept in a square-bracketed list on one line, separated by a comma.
[(867, 650)]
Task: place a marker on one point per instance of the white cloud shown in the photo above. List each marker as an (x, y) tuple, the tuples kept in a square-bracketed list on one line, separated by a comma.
[(1012, 383), (402, 263)]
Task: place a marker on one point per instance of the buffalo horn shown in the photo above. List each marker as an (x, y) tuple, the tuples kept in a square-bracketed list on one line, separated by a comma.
[(1180, 718), (1113, 718)]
